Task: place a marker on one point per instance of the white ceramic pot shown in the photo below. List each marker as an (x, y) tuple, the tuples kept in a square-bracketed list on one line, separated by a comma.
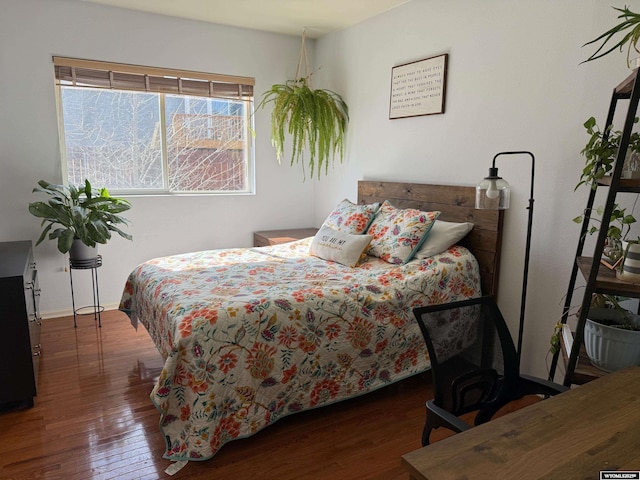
[(631, 167), (81, 252), (631, 267), (611, 348)]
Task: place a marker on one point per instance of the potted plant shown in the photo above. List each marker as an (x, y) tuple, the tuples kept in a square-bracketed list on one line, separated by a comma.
[(619, 226), (316, 119), (631, 22), (611, 334), (600, 154), (83, 216), (629, 267)]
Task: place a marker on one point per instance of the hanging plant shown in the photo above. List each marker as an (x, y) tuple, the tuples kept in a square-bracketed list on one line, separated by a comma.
[(315, 119), (631, 22)]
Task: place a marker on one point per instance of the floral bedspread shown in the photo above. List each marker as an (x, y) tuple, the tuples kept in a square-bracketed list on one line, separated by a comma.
[(251, 335)]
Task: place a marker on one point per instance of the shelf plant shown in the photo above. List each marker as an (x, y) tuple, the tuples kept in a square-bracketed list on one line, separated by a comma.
[(600, 152), (600, 155), (316, 119), (619, 223), (611, 334), (629, 27), (610, 323), (80, 213)]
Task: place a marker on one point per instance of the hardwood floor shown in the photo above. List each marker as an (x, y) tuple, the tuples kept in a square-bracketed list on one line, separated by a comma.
[(93, 419)]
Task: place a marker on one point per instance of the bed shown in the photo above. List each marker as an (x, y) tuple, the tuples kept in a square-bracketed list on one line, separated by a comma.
[(250, 335)]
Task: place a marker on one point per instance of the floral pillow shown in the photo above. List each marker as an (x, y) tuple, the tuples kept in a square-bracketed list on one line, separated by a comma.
[(351, 218), (398, 234)]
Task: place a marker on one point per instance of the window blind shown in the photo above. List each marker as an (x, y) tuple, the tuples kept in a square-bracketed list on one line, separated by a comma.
[(95, 74)]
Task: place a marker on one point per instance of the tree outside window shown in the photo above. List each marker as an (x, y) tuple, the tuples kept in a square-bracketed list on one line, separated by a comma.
[(155, 142)]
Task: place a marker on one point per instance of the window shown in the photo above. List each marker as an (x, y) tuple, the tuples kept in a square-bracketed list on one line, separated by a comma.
[(147, 130)]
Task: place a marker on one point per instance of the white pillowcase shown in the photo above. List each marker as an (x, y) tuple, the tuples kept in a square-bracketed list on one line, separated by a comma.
[(341, 247), (442, 236)]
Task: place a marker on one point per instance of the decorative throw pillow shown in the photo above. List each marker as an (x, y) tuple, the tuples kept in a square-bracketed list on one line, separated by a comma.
[(398, 234), (344, 248), (442, 236), (349, 217)]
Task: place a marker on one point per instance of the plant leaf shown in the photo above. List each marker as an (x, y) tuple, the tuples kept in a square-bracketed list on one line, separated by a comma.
[(316, 120)]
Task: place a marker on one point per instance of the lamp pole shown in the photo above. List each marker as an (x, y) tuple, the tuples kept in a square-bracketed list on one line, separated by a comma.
[(493, 175)]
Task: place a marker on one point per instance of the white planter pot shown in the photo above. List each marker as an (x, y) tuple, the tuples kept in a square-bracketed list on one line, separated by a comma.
[(631, 167), (631, 267), (81, 252), (611, 348)]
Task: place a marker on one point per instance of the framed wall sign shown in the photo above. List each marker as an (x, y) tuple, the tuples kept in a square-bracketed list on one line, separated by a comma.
[(418, 88)]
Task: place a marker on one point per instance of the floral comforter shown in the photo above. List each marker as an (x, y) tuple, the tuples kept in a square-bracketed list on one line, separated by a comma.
[(251, 335)]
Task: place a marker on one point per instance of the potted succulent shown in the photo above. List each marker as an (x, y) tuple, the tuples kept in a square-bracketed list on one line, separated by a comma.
[(83, 216), (316, 119), (611, 334)]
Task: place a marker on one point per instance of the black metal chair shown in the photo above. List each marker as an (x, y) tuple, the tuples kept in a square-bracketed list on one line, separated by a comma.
[(474, 364)]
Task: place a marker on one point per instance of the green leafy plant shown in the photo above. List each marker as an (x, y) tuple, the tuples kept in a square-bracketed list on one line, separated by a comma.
[(82, 212), (600, 155), (619, 223), (619, 226), (600, 152), (631, 22), (315, 119)]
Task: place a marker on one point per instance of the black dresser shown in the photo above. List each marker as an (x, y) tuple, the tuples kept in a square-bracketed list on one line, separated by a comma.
[(19, 324)]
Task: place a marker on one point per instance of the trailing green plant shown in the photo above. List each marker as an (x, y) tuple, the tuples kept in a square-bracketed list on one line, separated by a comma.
[(600, 152), (315, 119), (82, 212), (631, 22), (619, 223), (600, 155)]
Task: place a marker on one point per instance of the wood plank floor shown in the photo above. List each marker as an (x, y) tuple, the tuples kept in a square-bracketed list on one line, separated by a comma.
[(93, 419)]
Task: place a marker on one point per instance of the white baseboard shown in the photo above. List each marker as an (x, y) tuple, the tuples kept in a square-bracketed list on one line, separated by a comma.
[(69, 312)]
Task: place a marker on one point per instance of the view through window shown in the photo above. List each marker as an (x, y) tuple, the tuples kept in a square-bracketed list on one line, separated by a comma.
[(135, 141)]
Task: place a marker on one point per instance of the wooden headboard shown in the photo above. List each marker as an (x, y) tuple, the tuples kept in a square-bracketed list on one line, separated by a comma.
[(457, 204)]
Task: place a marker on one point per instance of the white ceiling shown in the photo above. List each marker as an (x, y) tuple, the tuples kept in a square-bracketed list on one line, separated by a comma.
[(315, 17)]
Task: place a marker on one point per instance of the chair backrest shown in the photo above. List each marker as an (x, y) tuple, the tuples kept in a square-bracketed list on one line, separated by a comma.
[(472, 354)]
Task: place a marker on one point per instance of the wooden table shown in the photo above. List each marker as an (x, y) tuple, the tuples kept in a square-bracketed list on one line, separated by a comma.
[(573, 435)]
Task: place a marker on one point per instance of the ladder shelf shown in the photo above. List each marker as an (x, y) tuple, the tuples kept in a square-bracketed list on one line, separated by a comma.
[(598, 278)]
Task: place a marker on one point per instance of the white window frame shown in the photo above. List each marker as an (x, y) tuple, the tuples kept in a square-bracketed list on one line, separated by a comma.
[(169, 82)]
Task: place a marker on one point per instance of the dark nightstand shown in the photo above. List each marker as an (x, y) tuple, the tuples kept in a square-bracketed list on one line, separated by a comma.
[(275, 237), (20, 320)]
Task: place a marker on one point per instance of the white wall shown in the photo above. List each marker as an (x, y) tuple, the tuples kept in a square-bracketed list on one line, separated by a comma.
[(514, 83), (31, 31)]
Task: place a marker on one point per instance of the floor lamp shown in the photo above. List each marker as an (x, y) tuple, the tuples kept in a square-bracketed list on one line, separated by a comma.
[(493, 193)]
